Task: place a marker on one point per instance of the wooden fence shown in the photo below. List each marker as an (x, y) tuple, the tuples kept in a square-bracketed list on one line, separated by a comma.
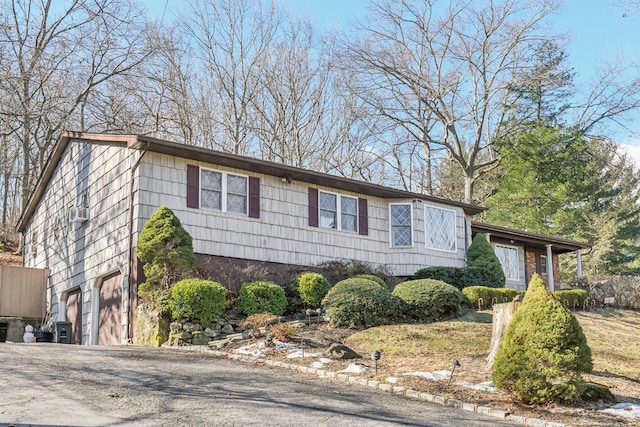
[(22, 291)]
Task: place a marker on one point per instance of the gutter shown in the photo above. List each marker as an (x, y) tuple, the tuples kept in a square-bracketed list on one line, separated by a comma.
[(130, 263)]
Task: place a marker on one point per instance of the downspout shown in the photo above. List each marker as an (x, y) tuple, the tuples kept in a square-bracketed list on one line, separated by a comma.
[(129, 334)]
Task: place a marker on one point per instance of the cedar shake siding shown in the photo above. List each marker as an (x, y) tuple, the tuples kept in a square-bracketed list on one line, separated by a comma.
[(282, 223)]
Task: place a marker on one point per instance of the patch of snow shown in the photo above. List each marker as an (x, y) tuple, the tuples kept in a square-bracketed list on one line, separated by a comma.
[(320, 363), (354, 368), (433, 376), (485, 386), (283, 345), (628, 410), (257, 350), (298, 354), (392, 380)]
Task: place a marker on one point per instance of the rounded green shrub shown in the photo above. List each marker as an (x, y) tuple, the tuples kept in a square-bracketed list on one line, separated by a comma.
[(428, 300), (372, 278), (197, 299), (262, 297), (543, 352), (311, 287), (360, 303), (481, 254)]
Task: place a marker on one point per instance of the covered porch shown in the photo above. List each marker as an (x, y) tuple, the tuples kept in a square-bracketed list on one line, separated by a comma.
[(523, 253)]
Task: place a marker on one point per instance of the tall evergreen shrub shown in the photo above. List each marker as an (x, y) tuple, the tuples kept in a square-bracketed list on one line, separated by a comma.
[(543, 352), (165, 249), (481, 254)]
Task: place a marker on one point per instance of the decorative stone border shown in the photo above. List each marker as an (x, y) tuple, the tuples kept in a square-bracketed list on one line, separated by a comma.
[(388, 388)]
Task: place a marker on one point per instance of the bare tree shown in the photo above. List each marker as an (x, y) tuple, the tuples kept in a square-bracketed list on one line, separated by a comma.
[(441, 73), (231, 40), (54, 58)]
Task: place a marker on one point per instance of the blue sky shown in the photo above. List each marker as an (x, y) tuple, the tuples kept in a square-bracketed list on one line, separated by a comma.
[(597, 30)]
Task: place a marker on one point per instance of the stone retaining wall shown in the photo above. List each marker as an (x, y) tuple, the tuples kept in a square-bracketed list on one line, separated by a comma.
[(151, 329)]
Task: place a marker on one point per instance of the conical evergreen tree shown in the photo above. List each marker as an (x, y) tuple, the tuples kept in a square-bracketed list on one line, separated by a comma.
[(165, 249), (481, 254), (543, 352)]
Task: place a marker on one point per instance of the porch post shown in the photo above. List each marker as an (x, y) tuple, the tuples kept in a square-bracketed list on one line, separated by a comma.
[(550, 268), (579, 258)]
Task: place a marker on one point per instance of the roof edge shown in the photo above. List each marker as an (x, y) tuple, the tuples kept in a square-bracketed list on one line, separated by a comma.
[(541, 238)]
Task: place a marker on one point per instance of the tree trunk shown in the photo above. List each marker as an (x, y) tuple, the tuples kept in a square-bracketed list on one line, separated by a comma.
[(502, 315)]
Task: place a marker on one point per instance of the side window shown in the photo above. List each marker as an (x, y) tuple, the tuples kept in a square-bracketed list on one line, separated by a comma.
[(211, 190), (223, 191), (328, 210), (401, 225), (543, 264), (440, 228), (236, 193), (508, 257), (349, 213), (339, 212)]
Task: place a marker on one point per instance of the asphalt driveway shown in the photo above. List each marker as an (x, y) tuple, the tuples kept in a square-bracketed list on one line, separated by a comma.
[(55, 384)]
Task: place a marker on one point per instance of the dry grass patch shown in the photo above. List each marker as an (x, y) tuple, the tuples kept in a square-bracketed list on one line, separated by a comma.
[(613, 338)]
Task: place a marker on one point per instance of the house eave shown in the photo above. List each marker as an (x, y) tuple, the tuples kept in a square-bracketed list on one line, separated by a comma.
[(288, 172), (147, 143), (535, 240)]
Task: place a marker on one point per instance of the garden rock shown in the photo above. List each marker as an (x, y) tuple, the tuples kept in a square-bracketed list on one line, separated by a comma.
[(192, 327), (199, 339), (211, 333), (340, 352)]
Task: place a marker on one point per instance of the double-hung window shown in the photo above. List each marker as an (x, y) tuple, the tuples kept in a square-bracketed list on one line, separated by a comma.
[(440, 228), (508, 257), (223, 191), (338, 211), (401, 225)]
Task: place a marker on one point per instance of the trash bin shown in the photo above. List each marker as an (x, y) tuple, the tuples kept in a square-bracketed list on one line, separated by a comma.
[(62, 332), (3, 331)]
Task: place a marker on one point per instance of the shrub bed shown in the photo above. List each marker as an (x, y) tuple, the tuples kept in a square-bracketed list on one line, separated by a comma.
[(572, 295), (427, 299), (360, 303), (473, 293), (197, 299), (261, 297)]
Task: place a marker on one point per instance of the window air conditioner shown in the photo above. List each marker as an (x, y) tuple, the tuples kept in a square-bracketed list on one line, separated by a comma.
[(79, 214)]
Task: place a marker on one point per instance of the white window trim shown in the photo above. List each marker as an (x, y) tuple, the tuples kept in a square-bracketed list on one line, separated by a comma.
[(391, 245), (455, 229), (338, 212), (517, 249), (224, 191)]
